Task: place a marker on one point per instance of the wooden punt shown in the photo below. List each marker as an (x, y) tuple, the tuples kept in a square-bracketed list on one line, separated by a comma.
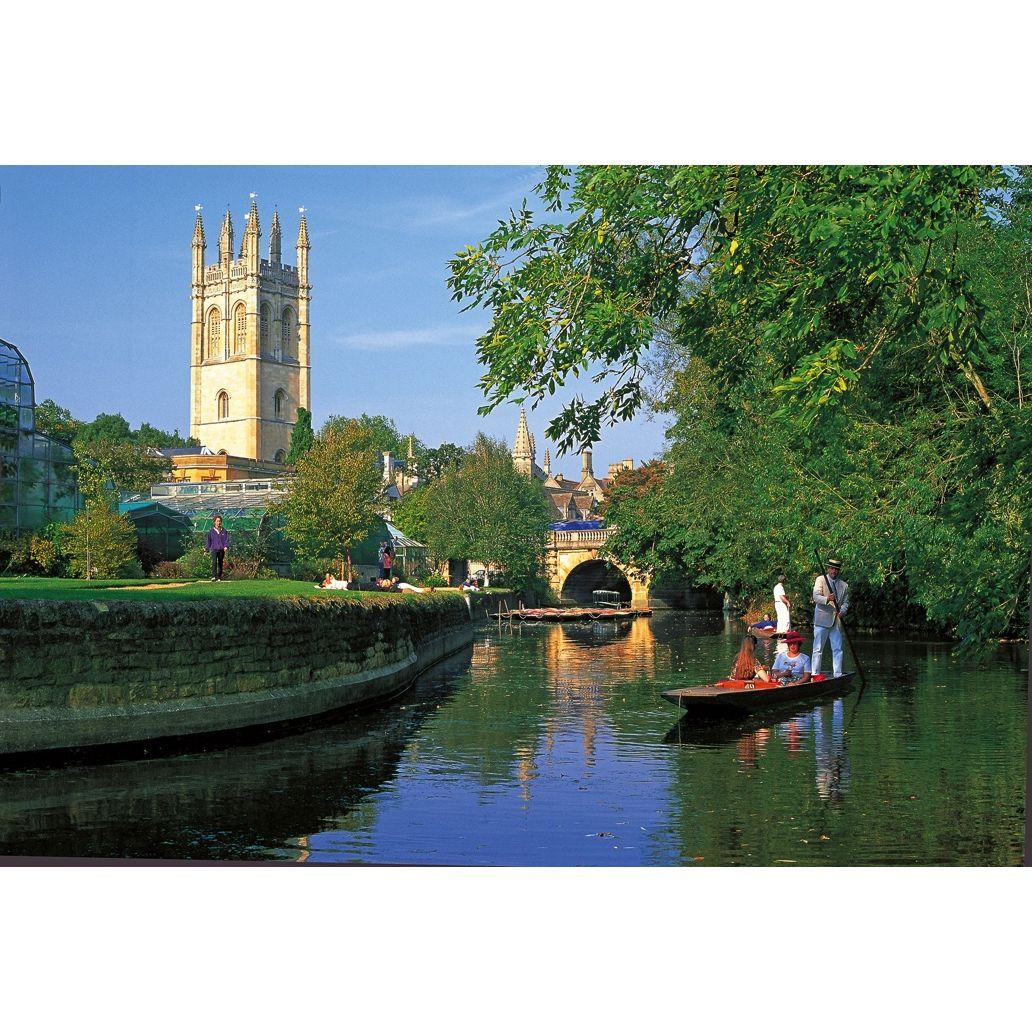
[(769, 633), (574, 613), (749, 696)]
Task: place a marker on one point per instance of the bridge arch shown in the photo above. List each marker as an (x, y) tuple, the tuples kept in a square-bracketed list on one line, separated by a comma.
[(594, 574)]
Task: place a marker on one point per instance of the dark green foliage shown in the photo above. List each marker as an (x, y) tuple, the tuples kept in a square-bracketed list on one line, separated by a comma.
[(485, 509), (839, 350), (301, 437)]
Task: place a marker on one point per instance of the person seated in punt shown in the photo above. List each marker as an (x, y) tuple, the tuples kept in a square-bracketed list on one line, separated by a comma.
[(746, 666), (766, 624), (330, 583), (793, 666)]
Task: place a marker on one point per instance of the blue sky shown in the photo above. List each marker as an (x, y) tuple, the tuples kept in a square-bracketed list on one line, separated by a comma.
[(95, 289)]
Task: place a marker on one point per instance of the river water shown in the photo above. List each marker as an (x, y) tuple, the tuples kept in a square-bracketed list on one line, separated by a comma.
[(550, 745)]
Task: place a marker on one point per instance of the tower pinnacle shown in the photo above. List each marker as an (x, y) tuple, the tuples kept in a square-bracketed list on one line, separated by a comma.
[(226, 238), (275, 238)]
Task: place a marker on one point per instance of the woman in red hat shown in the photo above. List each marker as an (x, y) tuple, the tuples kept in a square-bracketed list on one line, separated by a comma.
[(792, 666)]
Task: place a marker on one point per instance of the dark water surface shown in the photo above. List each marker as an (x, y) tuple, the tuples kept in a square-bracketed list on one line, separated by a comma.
[(551, 745)]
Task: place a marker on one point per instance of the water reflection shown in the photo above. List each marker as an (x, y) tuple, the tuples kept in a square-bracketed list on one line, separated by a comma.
[(551, 745)]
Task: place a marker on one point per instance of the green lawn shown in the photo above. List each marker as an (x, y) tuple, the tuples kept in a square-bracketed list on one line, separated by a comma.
[(58, 588)]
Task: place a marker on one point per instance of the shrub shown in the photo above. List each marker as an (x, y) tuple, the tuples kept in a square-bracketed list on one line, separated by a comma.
[(102, 543), (195, 563), (33, 555), (168, 570), (435, 580)]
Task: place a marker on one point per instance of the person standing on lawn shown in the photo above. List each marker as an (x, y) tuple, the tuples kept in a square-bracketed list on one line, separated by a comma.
[(217, 544), (831, 603)]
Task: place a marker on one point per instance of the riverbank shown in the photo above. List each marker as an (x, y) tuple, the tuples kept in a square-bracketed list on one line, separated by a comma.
[(114, 671)]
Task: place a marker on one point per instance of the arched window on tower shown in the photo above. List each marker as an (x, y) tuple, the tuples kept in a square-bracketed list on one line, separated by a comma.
[(289, 337), (279, 403), (223, 401), (280, 456), (239, 329), (211, 352), (265, 329)]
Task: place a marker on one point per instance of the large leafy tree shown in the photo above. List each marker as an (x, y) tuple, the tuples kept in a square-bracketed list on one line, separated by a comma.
[(486, 509), (838, 349), (336, 494), (828, 271), (117, 466)]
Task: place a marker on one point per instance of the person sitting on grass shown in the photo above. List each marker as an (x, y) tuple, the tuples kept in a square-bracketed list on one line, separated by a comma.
[(746, 666), (793, 666), (469, 584), (766, 624), (331, 583), (405, 586)]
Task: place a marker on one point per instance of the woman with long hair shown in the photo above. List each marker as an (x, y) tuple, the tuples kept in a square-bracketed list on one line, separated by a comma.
[(746, 666)]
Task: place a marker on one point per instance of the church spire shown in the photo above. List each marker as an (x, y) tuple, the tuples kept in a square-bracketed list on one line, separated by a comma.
[(198, 230), (302, 249), (198, 248), (226, 238), (275, 245), (548, 463), (523, 449), (252, 232)]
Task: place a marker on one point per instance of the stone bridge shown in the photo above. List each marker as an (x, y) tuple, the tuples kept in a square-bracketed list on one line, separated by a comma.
[(575, 568)]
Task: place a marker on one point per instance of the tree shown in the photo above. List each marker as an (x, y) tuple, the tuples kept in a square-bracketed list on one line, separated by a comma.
[(107, 428), (301, 437), (409, 514), (107, 464), (838, 349), (56, 421), (100, 542), (486, 509), (151, 437), (829, 270), (433, 463), (335, 496)]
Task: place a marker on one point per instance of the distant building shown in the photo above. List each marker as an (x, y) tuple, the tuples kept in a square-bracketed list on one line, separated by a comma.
[(38, 484), (200, 464), (400, 477), (572, 500), (249, 351)]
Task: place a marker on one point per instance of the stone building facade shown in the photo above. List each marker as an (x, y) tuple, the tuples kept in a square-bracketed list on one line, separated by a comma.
[(571, 499), (249, 352)]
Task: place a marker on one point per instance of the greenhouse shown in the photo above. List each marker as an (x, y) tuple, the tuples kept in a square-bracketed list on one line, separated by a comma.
[(37, 475)]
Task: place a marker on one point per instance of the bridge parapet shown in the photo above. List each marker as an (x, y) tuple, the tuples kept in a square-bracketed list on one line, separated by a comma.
[(580, 538)]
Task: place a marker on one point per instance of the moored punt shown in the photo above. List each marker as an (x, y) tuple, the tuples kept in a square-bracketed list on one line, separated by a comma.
[(749, 696), (575, 613)]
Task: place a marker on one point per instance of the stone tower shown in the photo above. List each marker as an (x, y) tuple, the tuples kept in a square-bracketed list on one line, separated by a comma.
[(523, 450), (249, 349)]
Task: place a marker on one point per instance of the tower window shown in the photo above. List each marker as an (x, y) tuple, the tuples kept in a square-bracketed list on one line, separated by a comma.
[(281, 397), (239, 330), (223, 405), (214, 333), (264, 328), (280, 456), (289, 333)]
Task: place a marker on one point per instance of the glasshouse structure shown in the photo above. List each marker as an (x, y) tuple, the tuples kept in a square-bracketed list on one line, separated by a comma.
[(37, 475)]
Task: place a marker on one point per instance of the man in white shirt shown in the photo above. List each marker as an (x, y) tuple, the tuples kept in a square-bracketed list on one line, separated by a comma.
[(831, 603), (781, 605)]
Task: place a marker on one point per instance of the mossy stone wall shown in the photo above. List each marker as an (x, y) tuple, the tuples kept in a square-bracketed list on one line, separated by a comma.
[(95, 673)]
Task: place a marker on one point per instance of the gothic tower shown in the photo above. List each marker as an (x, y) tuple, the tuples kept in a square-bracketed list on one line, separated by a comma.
[(249, 361), (523, 450)]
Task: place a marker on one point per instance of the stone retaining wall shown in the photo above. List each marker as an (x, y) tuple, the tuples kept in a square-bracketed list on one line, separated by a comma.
[(82, 674)]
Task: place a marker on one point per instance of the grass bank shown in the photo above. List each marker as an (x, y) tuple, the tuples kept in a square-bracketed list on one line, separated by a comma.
[(169, 590)]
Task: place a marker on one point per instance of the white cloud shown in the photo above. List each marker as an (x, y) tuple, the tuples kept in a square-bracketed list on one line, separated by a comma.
[(426, 336)]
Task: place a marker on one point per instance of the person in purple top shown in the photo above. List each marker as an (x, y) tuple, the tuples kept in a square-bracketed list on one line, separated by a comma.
[(217, 543)]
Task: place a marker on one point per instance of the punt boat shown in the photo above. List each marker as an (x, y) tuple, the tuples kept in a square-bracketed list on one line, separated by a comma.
[(730, 696)]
